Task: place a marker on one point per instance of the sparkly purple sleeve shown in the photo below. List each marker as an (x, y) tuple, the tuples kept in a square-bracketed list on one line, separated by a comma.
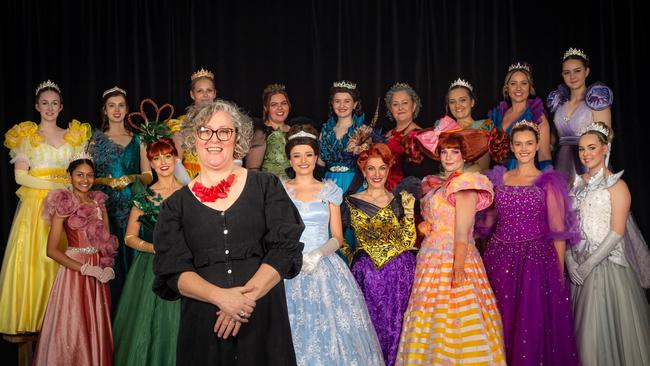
[(486, 220), (537, 107), (562, 218)]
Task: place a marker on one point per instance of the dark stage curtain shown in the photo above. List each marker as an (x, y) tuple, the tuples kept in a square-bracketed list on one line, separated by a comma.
[(150, 48)]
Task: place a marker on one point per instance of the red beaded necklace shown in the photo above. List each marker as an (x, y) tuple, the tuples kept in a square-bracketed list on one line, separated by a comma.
[(211, 194)]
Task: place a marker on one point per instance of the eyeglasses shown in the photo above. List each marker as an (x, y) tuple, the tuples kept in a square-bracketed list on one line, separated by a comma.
[(223, 134)]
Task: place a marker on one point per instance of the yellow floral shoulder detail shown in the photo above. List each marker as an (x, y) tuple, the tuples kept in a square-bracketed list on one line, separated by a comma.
[(27, 129), (175, 124), (78, 133)]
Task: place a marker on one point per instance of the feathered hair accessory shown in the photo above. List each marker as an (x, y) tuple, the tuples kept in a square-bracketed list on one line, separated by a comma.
[(365, 136), (202, 73), (151, 128), (595, 127), (344, 84), (463, 83), (523, 122), (114, 89), (47, 84), (574, 52), (519, 66)]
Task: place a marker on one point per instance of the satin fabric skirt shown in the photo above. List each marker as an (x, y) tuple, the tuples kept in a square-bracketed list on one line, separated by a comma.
[(77, 325), (27, 272)]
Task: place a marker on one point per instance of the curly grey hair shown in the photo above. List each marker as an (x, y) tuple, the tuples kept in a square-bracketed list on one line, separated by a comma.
[(409, 90), (199, 115)]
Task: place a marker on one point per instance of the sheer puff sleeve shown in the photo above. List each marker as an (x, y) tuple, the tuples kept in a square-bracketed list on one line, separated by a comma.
[(474, 181), (332, 193), (173, 256), (562, 219), (486, 220), (284, 228)]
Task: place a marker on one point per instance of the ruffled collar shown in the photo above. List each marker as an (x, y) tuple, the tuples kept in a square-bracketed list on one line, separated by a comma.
[(599, 181)]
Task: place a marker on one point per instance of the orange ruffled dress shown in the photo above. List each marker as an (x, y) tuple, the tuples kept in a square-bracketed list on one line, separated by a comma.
[(445, 325)]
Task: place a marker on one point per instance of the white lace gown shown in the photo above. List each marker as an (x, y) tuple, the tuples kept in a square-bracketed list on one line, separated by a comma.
[(611, 313), (329, 320)]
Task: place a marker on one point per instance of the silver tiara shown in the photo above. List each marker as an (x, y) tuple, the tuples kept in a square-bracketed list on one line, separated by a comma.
[(83, 155), (344, 84), (575, 52), (114, 89), (47, 84), (463, 83), (519, 66), (302, 134), (595, 127)]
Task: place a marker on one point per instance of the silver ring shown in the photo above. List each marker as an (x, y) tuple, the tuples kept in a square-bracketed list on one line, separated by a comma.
[(242, 313)]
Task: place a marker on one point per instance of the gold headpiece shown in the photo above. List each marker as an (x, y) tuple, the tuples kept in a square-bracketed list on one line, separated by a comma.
[(344, 84), (82, 155), (523, 122), (202, 73), (113, 89), (595, 127), (274, 88), (463, 83), (47, 84), (574, 52)]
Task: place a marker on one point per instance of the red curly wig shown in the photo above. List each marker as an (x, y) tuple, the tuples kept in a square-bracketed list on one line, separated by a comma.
[(381, 151), (473, 143), (161, 146)]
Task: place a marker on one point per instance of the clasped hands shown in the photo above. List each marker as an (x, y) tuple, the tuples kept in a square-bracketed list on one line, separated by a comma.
[(236, 305), (102, 274)]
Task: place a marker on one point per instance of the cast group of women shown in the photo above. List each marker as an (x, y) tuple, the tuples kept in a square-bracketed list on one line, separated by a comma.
[(212, 239)]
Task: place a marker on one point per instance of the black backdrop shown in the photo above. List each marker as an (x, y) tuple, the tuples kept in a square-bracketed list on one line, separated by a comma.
[(150, 48)]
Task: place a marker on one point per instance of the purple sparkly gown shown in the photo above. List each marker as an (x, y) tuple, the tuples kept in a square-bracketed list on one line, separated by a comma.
[(522, 265), (384, 266)]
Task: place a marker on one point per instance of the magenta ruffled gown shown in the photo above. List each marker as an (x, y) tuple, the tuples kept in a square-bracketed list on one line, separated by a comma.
[(77, 325), (533, 295)]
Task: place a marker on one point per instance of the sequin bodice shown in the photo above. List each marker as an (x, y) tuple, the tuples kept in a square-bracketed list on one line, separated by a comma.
[(381, 235), (594, 205), (522, 212)]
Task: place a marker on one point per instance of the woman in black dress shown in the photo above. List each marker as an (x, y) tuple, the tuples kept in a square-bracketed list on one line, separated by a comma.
[(223, 244)]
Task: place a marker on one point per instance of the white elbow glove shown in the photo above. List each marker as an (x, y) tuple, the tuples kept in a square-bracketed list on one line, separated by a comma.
[(310, 260), (181, 173), (608, 244), (25, 179)]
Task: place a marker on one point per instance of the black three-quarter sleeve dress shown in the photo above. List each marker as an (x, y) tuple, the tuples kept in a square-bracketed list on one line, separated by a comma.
[(226, 248)]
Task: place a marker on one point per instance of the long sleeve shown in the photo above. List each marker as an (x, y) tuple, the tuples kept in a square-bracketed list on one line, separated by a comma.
[(284, 228), (173, 256)]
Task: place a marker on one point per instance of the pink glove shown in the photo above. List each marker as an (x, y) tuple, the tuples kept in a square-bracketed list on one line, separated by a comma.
[(90, 270), (107, 275)]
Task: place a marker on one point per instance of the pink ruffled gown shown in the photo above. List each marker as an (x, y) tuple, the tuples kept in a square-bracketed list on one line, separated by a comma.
[(77, 325)]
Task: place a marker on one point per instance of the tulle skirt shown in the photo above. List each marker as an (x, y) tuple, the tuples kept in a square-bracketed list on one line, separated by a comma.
[(612, 318), (329, 320), (27, 272)]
